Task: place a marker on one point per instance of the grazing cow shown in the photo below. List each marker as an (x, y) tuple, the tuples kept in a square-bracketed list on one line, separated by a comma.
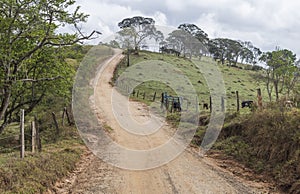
[(176, 106), (247, 103), (205, 106)]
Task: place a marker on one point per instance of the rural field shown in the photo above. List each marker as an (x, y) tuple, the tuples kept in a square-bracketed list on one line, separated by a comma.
[(151, 109)]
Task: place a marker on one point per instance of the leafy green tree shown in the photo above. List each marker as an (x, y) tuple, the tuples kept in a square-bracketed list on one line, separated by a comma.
[(250, 53), (217, 48), (136, 30), (226, 49), (178, 40), (266, 57), (31, 64), (195, 31), (232, 51), (281, 70), (184, 43)]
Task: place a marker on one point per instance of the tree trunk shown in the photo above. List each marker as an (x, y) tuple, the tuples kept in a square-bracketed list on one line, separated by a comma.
[(136, 50), (5, 101), (236, 60), (276, 89), (269, 89), (2, 127)]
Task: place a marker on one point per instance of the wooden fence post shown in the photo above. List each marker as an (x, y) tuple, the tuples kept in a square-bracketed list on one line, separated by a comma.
[(167, 104), (33, 136), (38, 137), (162, 101), (22, 134), (259, 98), (237, 101), (210, 104), (154, 97), (56, 124), (68, 117), (144, 96), (138, 92)]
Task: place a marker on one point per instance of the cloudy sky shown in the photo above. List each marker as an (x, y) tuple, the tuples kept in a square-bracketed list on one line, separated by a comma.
[(266, 23)]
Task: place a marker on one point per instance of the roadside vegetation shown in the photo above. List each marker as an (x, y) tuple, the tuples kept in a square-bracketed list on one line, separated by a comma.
[(235, 78), (37, 73), (37, 172), (266, 140)]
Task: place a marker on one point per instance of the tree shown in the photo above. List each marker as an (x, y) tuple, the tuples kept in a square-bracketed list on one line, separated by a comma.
[(250, 53), (281, 70), (183, 42), (225, 49), (218, 49), (177, 40), (198, 34), (233, 51), (30, 61), (135, 30), (266, 57), (195, 31)]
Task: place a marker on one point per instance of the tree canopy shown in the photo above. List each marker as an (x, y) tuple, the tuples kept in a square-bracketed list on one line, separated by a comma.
[(31, 63), (281, 72), (195, 31), (232, 50), (135, 30)]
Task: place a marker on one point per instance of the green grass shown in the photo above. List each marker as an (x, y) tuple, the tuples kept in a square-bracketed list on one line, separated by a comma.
[(235, 79), (268, 142), (38, 172)]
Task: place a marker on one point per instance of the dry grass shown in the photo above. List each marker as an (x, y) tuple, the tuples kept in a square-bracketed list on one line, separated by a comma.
[(268, 141)]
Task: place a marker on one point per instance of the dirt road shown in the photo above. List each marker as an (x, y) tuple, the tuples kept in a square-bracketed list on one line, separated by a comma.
[(188, 173)]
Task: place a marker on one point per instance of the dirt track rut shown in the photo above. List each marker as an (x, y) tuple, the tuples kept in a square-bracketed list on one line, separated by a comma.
[(188, 173)]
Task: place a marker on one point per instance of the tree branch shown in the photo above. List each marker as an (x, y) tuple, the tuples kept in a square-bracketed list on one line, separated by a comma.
[(42, 79), (89, 37)]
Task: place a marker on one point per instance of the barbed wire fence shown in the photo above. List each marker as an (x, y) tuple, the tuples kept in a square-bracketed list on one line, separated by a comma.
[(30, 138), (194, 103)]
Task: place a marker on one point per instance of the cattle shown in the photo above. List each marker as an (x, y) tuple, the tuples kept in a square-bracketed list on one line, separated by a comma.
[(205, 106), (247, 103), (176, 106), (174, 101)]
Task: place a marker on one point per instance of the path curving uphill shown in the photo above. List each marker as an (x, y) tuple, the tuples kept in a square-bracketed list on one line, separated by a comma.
[(187, 173)]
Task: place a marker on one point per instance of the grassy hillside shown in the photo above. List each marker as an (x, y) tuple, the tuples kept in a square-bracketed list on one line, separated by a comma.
[(235, 79), (268, 141)]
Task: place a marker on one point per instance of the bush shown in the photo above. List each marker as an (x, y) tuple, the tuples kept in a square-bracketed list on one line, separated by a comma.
[(267, 141)]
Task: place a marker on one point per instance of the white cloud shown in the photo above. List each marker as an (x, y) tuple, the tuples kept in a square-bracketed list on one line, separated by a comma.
[(175, 5), (160, 19), (266, 23), (209, 24)]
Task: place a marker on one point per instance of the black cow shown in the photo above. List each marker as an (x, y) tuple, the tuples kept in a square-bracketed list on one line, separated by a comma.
[(205, 106), (176, 106), (247, 103)]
